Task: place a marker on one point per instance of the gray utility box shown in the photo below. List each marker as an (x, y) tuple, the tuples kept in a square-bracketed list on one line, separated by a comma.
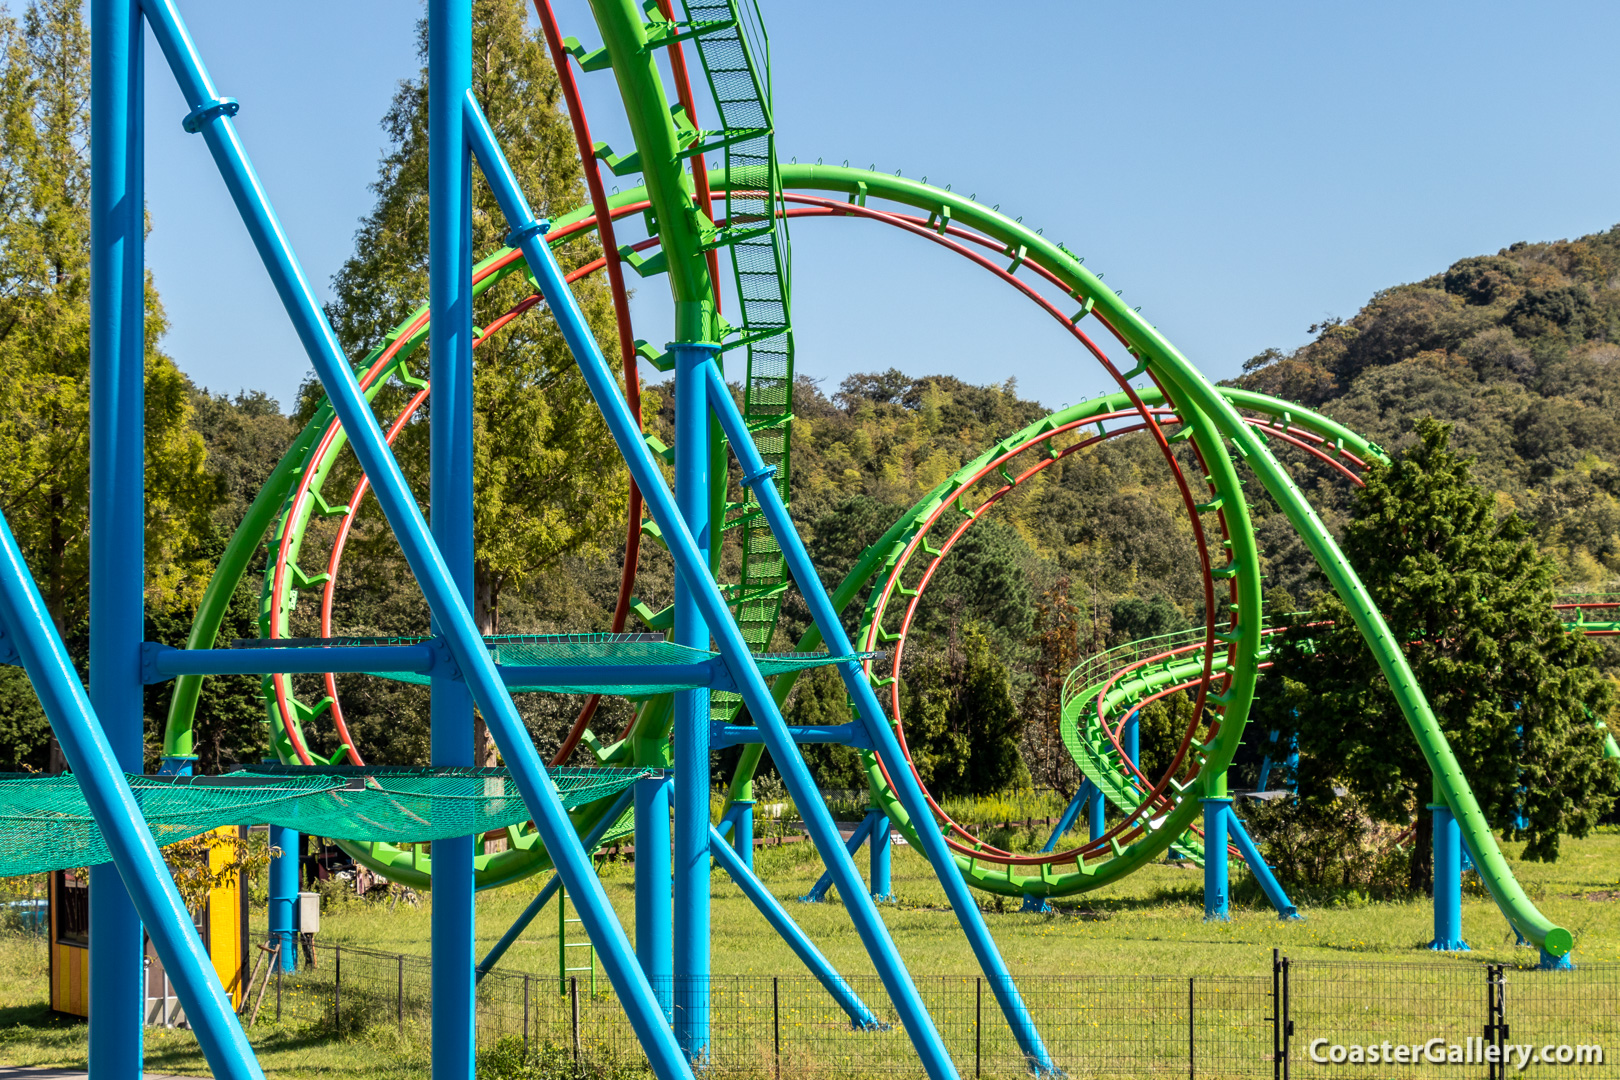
[(309, 913)]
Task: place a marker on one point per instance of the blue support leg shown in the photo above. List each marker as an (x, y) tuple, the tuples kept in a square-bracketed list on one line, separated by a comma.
[(459, 634), (739, 662), (1096, 825), (1132, 741), (1262, 873), (1070, 812), (547, 891), (653, 912), (140, 866), (1447, 881), (1217, 893), (284, 894), (690, 735), (818, 891), (117, 501), (881, 844), (860, 1016), (742, 835), (450, 49)]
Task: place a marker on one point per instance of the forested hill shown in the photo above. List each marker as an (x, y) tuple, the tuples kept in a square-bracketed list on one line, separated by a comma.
[(1521, 352)]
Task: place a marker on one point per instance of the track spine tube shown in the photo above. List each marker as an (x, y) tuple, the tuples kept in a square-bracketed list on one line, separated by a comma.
[(691, 716), (117, 500), (690, 565), (870, 713), (653, 902), (860, 1017), (451, 615)]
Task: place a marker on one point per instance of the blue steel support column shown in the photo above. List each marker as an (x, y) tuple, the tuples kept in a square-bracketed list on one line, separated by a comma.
[(653, 914), (690, 734), (879, 846), (284, 894), (117, 500), (742, 833), (1132, 740), (1096, 824), (451, 505), (1217, 894), (1447, 880)]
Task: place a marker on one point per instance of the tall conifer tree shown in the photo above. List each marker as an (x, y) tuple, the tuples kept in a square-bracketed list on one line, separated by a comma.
[(1517, 695)]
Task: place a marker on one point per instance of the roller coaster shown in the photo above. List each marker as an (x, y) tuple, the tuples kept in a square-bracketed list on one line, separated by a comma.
[(697, 670)]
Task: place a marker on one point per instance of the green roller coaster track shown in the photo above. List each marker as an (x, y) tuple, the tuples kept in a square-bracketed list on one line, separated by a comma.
[(678, 206)]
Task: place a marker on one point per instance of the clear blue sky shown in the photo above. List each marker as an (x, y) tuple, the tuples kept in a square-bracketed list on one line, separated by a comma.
[(1239, 170)]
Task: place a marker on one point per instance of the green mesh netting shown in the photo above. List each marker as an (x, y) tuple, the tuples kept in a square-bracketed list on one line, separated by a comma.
[(45, 823), (589, 651)]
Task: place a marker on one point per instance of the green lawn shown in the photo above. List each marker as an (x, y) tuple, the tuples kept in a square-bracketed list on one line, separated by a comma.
[(1149, 924)]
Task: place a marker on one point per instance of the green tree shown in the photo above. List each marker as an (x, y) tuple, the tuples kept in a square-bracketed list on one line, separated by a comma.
[(961, 724), (45, 354), (1515, 693), (547, 477), (1057, 639)]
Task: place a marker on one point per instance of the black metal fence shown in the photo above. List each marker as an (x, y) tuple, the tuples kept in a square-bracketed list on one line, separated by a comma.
[(1287, 1018)]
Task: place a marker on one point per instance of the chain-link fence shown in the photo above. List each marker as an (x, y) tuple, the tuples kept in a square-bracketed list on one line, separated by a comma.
[(1285, 1018)]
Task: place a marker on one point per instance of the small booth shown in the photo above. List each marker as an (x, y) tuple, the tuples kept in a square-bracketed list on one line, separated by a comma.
[(222, 923)]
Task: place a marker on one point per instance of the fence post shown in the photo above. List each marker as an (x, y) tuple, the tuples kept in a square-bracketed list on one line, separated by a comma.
[(776, 1022), (337, 989), (1287, 1021), (399, 998), (1496, 1027), (573, 1005), (978, 1026), (1191, 1043), (525, 1016), (1276, 1015)]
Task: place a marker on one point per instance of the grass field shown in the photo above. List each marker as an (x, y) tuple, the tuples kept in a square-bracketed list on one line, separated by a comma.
[(1149, 924)]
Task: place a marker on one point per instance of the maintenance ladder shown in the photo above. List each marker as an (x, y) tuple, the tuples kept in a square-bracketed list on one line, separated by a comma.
[(563, 945)]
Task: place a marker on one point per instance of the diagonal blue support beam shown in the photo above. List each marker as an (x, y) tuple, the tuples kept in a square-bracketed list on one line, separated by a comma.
[(803, 571), (859, 1015), (453, 619), (818, 891), (1257, 866), (135, 855), (547, 891), (1070, 812), (694, 569)]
